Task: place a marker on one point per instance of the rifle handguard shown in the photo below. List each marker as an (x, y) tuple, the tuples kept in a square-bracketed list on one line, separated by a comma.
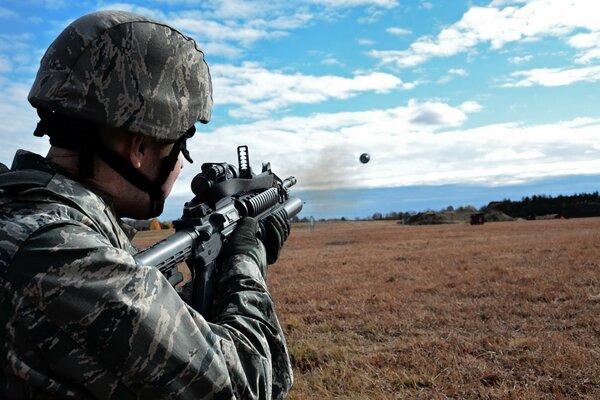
[(222, 198)]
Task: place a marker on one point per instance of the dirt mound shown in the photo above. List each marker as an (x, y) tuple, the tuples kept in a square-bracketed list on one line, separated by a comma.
[(436, 218), (497, 216), (453, 217)]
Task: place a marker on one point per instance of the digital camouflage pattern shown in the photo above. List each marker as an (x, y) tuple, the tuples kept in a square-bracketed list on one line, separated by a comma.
[(120, 69), (81, 320)]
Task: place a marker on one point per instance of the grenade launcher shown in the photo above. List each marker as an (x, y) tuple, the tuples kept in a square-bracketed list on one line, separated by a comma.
[(224, 194)]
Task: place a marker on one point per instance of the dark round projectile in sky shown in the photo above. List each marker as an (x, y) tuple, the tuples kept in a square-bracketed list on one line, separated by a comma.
[(365, 158)]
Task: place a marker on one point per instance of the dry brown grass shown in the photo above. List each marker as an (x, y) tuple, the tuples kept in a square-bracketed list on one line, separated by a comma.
[(377, 310)]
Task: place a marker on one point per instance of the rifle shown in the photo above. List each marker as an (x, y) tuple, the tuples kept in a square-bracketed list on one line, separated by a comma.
[(224, 194)]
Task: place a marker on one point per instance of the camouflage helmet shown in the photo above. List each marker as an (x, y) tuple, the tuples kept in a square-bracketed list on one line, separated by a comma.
[(123, 70)]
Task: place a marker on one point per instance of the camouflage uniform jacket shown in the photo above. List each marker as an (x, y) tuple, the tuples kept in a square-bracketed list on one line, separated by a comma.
[(81, 320)]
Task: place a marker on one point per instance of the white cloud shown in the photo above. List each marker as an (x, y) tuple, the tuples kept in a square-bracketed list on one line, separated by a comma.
[(5, 64), (355, 3), (458, 71), (146, 11), (333, 142), (372, 16), (585, 40), (238, 9), (398, 31), (17, 55), (512, 154), (258, 92), (230, 27), (469, 107), (497, 25), (226, 9), (213, 49), (452, 73), (331, 61), (406, 151), (434, 114), (6, 13), (502, 3), (18, 123), (223, 27), (553, 76), (589, 46), (294, 21), (15, 41), (519, 59), (179, 2), (55, 4), (366, 42), (589, 56), (216, 31)]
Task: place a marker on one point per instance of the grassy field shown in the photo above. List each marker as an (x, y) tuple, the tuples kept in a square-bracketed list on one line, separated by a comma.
[(377, 310)]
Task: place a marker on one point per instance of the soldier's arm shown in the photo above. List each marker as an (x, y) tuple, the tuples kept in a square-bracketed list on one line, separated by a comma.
[(123, 331)]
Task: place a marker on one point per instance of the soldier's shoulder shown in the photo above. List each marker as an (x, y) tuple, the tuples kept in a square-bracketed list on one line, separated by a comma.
[(20, 220)]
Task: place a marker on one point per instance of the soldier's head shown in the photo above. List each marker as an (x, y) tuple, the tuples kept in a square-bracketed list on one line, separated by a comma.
[(127, 90)]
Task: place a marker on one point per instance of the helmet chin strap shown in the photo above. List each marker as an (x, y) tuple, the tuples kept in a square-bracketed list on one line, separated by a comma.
[(83, 136), (139, 180), (136, 178)]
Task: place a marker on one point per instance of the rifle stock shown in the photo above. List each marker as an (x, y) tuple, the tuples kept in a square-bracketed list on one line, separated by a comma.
[(223, 196)]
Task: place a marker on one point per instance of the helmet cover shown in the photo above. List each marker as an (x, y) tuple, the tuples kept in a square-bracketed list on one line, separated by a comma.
[(123, 70)]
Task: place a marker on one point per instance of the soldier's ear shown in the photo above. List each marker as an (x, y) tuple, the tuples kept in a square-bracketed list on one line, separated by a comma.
[(137, 149)]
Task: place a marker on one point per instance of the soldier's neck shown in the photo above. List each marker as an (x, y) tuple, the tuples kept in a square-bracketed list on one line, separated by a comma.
[(127, 199)]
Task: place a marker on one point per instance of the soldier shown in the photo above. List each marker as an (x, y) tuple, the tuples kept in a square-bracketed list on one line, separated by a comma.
[(118, 95)]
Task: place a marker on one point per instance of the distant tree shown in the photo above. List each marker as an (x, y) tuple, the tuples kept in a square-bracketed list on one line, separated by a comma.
[(155, 225), (577, 205), (166, 225), (377, 216), (391, 215), (467, 209)]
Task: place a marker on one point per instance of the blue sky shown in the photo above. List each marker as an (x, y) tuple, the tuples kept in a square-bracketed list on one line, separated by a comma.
[(498, 95)]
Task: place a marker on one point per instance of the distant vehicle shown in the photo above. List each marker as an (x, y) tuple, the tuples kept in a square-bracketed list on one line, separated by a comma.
[(477, 219)]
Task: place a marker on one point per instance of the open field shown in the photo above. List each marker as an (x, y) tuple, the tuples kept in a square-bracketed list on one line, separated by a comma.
[(377, 310)]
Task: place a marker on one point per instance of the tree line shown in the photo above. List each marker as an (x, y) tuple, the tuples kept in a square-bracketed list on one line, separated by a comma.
[(573, 206)]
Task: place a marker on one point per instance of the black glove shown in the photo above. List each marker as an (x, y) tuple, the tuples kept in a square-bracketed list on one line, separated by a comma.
[(243, 240), (274, 231)]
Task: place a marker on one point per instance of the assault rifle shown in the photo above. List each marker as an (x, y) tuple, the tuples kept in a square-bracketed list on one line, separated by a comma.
[(224, 194)]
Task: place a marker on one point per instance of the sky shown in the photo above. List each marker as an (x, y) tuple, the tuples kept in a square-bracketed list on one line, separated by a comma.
[(457, 102)]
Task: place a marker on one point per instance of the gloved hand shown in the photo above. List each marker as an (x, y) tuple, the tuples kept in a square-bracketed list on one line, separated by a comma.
[(274, 231), (243, 240)]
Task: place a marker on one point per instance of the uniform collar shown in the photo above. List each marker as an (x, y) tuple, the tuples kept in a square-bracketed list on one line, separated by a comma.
[(97, 206)]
